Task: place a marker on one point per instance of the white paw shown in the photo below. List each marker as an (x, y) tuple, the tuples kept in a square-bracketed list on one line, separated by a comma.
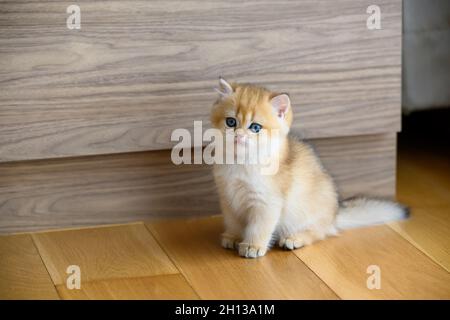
[(229, 242), (250, 251), (291, 243)]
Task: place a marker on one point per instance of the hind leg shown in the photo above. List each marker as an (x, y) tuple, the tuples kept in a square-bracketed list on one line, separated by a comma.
[(300, 239), (306, 237), (308, 220)]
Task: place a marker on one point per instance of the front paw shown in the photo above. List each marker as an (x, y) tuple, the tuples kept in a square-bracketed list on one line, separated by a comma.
[(229, 242), (251, 251)]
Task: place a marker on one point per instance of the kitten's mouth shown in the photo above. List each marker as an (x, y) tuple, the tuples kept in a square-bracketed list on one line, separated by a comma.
[(240, 144), (240, 141)]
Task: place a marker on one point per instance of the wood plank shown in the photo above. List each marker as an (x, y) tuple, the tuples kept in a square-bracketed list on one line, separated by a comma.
[(424, 177), (428, 230), (45, 194), (139, 69), (103, 253), (23, 275), (406, 273), (216, 273), (424, 184), (361, 164), (166, 287), (101, 190)]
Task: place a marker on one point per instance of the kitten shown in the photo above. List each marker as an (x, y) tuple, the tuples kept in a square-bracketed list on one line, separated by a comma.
[(298, 204)]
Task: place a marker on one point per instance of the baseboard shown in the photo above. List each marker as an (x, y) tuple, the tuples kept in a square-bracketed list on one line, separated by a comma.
[(94, 190)]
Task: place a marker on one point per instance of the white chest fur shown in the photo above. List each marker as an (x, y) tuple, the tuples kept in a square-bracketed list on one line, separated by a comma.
[(243, 186)]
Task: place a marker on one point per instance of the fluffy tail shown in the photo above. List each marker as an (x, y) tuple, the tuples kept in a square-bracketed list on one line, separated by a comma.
[(361, 212)]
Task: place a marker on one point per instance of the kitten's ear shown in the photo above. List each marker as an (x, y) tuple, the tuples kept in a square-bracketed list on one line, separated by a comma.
[(225, 89), (281, 104)]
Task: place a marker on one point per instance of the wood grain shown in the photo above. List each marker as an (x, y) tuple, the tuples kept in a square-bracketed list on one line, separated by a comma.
[(424, 184), (406, 273), (103, 253), (45, 194), (164, 287), (428, 229), (424, 177), (216, 273), (22, 273), (139, 69)]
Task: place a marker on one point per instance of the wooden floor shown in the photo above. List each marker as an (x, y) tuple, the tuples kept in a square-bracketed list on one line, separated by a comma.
[(182, 259)]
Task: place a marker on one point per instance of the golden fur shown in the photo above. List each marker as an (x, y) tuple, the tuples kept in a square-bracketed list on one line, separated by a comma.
[(297, 205)]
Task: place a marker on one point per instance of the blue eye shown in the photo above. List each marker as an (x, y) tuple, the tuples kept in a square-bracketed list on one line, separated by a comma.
[(231, 122), (255, 127)]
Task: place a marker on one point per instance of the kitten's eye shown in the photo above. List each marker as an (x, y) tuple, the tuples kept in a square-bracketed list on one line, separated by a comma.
[(255, 127), (231, 122)]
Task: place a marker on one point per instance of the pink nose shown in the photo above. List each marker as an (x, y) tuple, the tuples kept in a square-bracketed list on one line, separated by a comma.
[(240, 138)]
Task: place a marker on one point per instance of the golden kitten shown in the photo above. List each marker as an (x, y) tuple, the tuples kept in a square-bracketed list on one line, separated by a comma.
[(296, 205)]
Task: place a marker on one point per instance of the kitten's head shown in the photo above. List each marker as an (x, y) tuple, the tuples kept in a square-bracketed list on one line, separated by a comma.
[(246, 110)]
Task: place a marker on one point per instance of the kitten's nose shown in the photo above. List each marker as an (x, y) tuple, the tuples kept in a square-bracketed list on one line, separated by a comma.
[(240, 138)]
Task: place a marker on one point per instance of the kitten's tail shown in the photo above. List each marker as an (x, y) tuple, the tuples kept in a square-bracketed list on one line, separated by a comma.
[(361, 212)]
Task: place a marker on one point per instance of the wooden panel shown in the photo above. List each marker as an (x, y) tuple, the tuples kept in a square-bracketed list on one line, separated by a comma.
[(157, 287), (46, 194), (103, 253), (194, 247), (406, 273), (360, 165), (139, 69), (22, 273)]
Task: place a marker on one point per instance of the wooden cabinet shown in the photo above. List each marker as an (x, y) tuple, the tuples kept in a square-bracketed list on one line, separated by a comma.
[(136, 70)]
